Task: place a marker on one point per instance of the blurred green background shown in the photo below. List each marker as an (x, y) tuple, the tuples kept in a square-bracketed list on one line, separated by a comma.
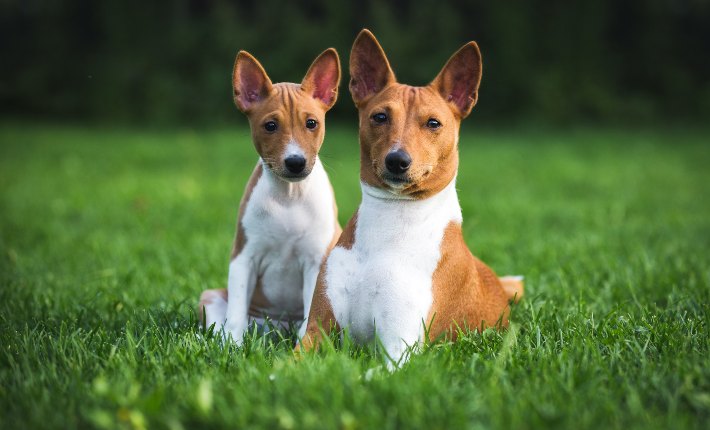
[(165, 62)]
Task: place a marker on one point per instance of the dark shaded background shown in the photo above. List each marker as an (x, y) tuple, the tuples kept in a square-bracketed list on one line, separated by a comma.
[(167, 62)]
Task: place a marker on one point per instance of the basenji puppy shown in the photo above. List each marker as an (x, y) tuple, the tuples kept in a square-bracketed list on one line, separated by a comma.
[(401, 270), (287, 218)]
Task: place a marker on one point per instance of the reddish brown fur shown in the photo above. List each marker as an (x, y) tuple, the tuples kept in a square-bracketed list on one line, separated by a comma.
[(321, 314), (434, 152), (465, 291), (290, 105)]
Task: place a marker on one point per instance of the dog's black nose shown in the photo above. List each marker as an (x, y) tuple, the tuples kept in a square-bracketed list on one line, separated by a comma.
[(398, 161), (295, 163)]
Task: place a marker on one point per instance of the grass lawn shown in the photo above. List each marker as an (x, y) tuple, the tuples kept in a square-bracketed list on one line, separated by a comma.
[(107, 237)]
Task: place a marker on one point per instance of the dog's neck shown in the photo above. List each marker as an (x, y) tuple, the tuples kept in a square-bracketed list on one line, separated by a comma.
[(382, 193), (284, 189), (406, 208), (405, 227)]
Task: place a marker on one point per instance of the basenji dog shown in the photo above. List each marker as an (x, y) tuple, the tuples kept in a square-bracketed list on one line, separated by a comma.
[(287, 218), (401, 271)]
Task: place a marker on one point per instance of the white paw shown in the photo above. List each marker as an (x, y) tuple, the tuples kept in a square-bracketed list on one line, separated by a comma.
[(393, 366), (302, 329), (234, 333)]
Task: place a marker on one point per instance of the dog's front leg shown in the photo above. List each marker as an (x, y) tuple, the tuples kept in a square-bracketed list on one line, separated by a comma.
[(398, 350), (400, 339), (310, 277), (320, 318), (242, 280)]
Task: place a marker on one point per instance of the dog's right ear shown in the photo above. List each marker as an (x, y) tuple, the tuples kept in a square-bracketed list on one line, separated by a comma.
[(370, 71), (323, 77), (249, 82)]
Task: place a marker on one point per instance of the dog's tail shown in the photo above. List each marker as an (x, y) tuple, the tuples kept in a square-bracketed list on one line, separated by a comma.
[(513, 286)]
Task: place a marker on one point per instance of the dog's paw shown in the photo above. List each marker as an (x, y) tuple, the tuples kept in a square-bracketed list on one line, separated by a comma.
[(233, 333), (302, 329)]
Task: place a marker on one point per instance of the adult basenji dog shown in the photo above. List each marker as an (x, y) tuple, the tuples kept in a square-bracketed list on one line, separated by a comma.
[(287, 218), (401, 271)]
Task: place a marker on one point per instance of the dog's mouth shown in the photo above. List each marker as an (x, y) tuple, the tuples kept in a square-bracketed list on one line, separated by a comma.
[(286, 175), (293, 177), (397, 182), (404, 182)]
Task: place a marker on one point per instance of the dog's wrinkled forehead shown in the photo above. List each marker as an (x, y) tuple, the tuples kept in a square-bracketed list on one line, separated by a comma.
[(413, 102), (371, 75), (254, 91), (288, 129), (287, 102)]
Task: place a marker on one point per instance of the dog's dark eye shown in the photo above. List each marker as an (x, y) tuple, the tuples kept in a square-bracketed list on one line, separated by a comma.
[(311, 124), (433, 123), (270, 126), (379, 118)]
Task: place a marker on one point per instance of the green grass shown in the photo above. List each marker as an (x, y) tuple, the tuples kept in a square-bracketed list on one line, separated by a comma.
[(107, 237)]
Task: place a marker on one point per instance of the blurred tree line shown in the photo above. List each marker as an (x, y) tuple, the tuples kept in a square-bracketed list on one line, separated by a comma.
[(164, 62)]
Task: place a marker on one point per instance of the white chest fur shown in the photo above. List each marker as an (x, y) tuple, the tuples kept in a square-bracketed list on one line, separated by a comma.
[(382, 286), (288, 227)]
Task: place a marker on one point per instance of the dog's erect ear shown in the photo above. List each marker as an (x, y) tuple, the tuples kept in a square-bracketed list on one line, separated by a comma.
[(323, 78), (370, 71), (458, 81), (249, 82)]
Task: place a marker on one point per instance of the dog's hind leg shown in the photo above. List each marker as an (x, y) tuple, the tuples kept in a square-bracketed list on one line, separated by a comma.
[(213, 308), (513, 286)]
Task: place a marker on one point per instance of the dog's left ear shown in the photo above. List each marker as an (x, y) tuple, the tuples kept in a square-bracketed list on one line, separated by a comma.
[(323, 78), (458, 81)]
